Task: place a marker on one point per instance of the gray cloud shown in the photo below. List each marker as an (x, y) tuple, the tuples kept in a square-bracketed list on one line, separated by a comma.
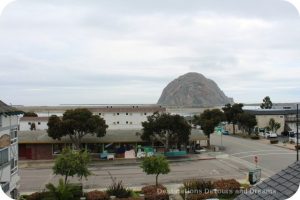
[(118, 51)]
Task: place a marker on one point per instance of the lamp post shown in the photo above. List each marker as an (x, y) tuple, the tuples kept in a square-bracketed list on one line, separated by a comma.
[(297, 121)]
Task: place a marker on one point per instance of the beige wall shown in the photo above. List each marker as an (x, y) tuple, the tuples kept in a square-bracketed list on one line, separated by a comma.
[(263, 121)]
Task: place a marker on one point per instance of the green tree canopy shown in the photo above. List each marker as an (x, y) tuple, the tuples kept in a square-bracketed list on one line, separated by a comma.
[(76, 124), (247, 121), (155, 165), (30, 114), (167, 129), (208, 120), (231, 113), (72, 162), (273, 125), (267, 103)]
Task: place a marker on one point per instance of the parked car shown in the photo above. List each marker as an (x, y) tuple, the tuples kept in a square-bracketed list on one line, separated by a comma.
[(270, 135), (199, 150), (225, 132), (293, 137)]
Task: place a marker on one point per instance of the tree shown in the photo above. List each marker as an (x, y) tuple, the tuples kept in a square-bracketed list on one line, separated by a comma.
[(273, 125), (247, 121), (71, 163), (30, 114), (208, 120), (167, 129), (155, 165), (231, 113), (76, 124), (267, 103)]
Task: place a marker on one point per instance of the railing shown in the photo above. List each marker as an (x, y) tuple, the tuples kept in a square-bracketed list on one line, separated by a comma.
[(5, 186), (13, 170), (13, 136)]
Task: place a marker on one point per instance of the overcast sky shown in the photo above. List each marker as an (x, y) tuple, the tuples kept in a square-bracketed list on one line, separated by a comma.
[(115, 51)]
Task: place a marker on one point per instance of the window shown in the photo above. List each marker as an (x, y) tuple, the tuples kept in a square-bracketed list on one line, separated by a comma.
[(99, 113), (39, 123), (13, 165), (29, 123), (126, 122), (3, 156), (13, 136), (118, 113), (126, 113), (145, 113), (118, 122), (57, 148)]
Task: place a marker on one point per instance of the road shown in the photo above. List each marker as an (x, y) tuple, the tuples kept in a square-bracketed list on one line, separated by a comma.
[(34, 179), (270, 157), (234, 162)]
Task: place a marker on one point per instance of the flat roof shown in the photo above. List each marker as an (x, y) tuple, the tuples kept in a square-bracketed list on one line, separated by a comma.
[(112, 136)]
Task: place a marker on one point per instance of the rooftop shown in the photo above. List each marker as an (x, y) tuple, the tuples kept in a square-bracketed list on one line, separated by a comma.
[(8, 110), (278, 187)]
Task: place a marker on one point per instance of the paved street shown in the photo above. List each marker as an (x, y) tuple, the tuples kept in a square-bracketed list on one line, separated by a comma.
[(233, 163), (33, 179), (270, 157)]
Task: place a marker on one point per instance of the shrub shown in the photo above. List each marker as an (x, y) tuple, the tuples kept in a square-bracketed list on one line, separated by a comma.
[(97, 195), (153, 192), (227, 188), (196, 186), (37, 196), (201, 196), (118, 190)]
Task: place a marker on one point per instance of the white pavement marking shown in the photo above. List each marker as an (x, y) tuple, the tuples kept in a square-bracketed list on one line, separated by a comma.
[(264, 154), (245, 152)]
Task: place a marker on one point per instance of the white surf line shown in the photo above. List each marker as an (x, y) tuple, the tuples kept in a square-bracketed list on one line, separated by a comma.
[(244, 152), (266, 154)]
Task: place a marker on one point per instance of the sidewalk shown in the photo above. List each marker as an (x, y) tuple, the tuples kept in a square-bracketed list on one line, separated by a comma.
[(279, 144), (120, 161)]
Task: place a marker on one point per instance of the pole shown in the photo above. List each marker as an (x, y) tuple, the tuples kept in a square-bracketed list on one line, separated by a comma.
[(297, 121)]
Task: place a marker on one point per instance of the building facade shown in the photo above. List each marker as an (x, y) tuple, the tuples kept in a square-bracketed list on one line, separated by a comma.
[(9, 150), (124, 128)]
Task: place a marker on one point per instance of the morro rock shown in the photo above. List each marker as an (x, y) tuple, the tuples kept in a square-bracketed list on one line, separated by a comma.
[(193, 90)]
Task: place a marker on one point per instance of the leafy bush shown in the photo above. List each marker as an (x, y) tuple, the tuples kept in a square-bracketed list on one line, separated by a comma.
[(153, 192), (201, 196), (118, 190), (227, 188), (195, 187), (97, 195), (36, 196)]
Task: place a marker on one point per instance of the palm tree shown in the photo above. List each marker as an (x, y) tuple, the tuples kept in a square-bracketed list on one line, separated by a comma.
[(61, 192)]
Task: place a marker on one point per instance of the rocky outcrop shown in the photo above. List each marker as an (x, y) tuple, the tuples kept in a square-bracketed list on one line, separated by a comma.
[(193, 90)]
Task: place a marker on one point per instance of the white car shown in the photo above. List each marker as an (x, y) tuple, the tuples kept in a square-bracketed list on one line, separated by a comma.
[(271, 135)]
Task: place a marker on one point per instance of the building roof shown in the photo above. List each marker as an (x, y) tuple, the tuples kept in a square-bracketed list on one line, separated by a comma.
[(96, 108), (278, 187), (272, 111), (122, 136), (8, 110)]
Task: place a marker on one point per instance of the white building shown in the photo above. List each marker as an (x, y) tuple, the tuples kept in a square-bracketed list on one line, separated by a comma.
[(9, 177), (117, 117)]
